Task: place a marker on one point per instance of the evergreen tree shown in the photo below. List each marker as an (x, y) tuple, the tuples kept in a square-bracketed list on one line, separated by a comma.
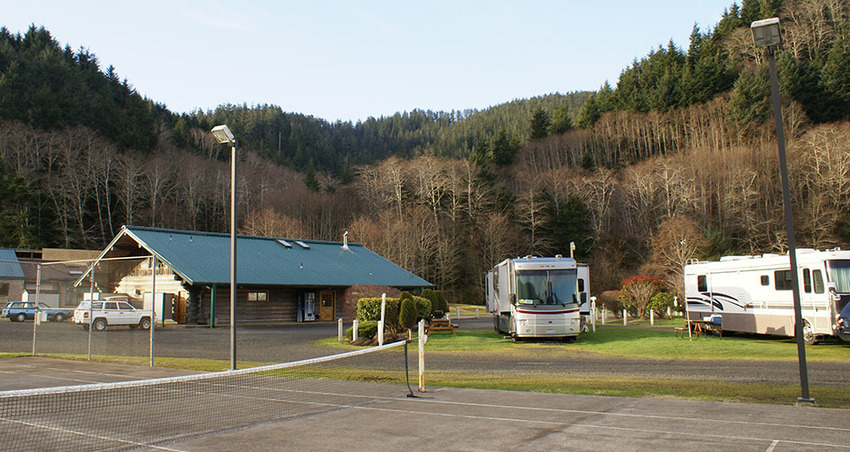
[(504, 149), (588, 114), (561, 122), (570, 221), (836, 81), (310, 179), (540, 122), (18, 205), (749, 103), (751, 11)]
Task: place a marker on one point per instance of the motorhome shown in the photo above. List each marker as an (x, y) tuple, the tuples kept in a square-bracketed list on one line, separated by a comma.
[(753, 293), (535, 297)]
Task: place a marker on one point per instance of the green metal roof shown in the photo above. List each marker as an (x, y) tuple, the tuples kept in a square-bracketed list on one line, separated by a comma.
[(204, 258), (10, 268)]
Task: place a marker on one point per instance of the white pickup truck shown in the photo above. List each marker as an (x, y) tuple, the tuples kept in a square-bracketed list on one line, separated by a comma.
[(102, 313)]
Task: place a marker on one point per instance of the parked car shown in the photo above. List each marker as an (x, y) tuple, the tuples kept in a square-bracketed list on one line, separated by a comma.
[(19, 311), (102, 313)]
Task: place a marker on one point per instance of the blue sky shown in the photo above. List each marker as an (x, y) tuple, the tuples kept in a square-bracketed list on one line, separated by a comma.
[(348, 60)]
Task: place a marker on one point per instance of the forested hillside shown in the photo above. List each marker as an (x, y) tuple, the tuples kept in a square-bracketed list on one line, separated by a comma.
[(678, 159)]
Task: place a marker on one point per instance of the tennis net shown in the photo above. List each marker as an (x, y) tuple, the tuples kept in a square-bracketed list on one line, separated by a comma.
[(154, 413)]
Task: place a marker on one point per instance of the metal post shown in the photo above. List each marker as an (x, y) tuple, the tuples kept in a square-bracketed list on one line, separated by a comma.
[(212, 307), (37, 318), (789, 227), (153, 305), (91, 306), (233, 257)]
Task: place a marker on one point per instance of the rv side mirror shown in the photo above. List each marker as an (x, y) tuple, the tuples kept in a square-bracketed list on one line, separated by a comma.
[(832, 287), (513, 298)]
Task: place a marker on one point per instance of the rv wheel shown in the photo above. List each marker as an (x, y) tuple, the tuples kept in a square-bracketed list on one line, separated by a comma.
[(808, 335)]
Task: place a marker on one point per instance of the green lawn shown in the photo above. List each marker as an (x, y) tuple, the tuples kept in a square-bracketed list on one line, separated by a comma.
[(635, 342), (638, 343)]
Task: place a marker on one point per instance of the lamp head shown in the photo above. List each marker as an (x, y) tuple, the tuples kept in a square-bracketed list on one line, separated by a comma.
[(223, 134), (766, 32)]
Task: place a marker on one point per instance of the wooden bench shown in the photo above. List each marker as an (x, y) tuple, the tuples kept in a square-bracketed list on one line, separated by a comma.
[(440, 325)]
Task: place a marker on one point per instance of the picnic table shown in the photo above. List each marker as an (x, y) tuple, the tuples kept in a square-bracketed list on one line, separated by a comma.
[(440, 325), (700, 327)]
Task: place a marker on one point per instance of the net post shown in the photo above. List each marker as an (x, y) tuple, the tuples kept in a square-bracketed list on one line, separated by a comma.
[(407, 372), (91, 307), (36, 320), (422, 355), (153, 305)]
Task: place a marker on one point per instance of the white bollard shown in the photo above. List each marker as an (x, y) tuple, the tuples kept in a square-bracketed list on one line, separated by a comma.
[(383, 306), (651, 317), (458, 312), (339, 329), (625, 317), (668, 311), (381, 322), (593, 313), (476, 313), (354, 332), (604, 314)]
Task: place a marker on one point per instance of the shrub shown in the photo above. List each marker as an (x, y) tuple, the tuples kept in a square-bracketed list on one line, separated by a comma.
[(370, 309), (660, 302), (423, 307), (438, 299), (407, 314), (365, 329), (637, 292), (610, 300)]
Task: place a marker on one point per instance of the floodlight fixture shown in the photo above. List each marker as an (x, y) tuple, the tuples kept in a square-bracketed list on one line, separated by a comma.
[(766, 32), (223, 134)]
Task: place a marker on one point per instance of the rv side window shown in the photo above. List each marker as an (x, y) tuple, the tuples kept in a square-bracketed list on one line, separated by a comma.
[(817, 275), (782, 279), (765, 280), (807, 280), (702, 284)]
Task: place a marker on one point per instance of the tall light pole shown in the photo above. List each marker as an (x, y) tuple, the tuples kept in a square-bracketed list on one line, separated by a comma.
[(224, 136), (766, 34)]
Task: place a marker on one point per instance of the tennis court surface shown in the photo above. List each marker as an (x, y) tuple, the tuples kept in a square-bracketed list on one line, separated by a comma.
[(295, 406)]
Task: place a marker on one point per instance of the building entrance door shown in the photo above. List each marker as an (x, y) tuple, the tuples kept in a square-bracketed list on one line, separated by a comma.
[(327, 305)]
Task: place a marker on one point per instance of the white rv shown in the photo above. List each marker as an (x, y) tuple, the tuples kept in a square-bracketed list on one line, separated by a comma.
[(753, 293), (535, 297)]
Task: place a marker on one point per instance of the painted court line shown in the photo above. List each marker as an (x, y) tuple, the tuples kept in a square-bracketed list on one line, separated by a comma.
[(646, 416)]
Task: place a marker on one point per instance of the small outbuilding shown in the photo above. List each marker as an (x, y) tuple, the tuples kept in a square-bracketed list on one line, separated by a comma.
[(278, 279)]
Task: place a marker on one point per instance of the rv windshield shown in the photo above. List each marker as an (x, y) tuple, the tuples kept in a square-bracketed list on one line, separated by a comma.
[(546, 286), (839, 273)]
